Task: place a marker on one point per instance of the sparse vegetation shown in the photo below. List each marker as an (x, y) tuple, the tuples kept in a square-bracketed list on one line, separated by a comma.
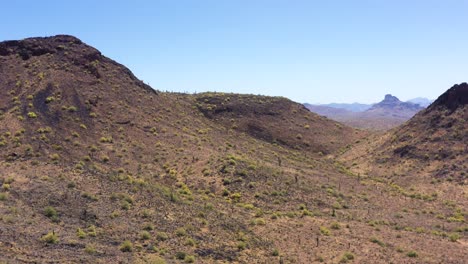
[(123, 173), (126, 246), (50, 238)]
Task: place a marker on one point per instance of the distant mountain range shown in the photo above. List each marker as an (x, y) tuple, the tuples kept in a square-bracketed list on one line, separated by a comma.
[(354, 107), (424, 102), (358, 107), (388, 113)]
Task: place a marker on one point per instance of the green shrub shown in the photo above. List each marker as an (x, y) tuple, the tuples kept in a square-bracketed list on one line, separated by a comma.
[(72, 109), (189, 259), (92, 231), (80, 233), (90, 249), (377, 241), (260, 221), (145, 235), (454, 237), (241, 245), (325, 231), (3, 196), (50, 212), (148, 227), (335, 225), (50, 238), (55, 157), (181, 232), (180, 255), (126, 246), (49, 99), (161, 236), (190, 242), (412, 254), (32, 115), (125, 205), (346, 257)]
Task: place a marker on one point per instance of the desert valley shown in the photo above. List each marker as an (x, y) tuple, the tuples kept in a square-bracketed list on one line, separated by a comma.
[(98, 167)]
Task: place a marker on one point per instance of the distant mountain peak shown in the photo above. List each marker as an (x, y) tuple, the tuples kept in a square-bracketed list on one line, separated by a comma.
[(389, 101), (453, 98), (391, 98), (392, 103)]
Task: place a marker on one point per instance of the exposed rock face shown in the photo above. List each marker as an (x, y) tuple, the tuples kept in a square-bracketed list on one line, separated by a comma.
[(455, 97), (65, 49), (30, 47)]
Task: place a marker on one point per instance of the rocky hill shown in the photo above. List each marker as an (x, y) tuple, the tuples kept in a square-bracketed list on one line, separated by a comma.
[(435, 139), (431, 144), (97, 167)]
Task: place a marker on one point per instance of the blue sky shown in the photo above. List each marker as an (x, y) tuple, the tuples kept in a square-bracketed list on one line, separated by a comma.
[(309, 51)]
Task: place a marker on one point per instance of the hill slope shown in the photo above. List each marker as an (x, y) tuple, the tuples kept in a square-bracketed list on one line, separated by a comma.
[(435, 139), (97, 167)]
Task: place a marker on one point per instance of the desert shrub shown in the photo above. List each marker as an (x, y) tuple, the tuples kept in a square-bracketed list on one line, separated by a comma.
[(55, 157), (92, 231), (325, 231), (80, 233), (454, 237), (181, 232), (148, 227), (162, 236), (49, 99), (377, 241), (50, 212), (346, 257), (126, 246), (145, 235), (125, 205), (335, 225), (50, 238), (189, 259), (236, 196), (90, 249), (190, 242), (72, 109), (105, 140), (180, 255), (260, 221), (241, 245), (3, 196), (71, 185)]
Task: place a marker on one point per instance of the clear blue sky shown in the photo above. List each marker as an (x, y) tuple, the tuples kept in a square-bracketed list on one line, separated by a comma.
[(309, 51)]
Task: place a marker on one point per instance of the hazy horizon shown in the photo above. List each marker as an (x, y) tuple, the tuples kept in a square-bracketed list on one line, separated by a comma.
[(314, 52)]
